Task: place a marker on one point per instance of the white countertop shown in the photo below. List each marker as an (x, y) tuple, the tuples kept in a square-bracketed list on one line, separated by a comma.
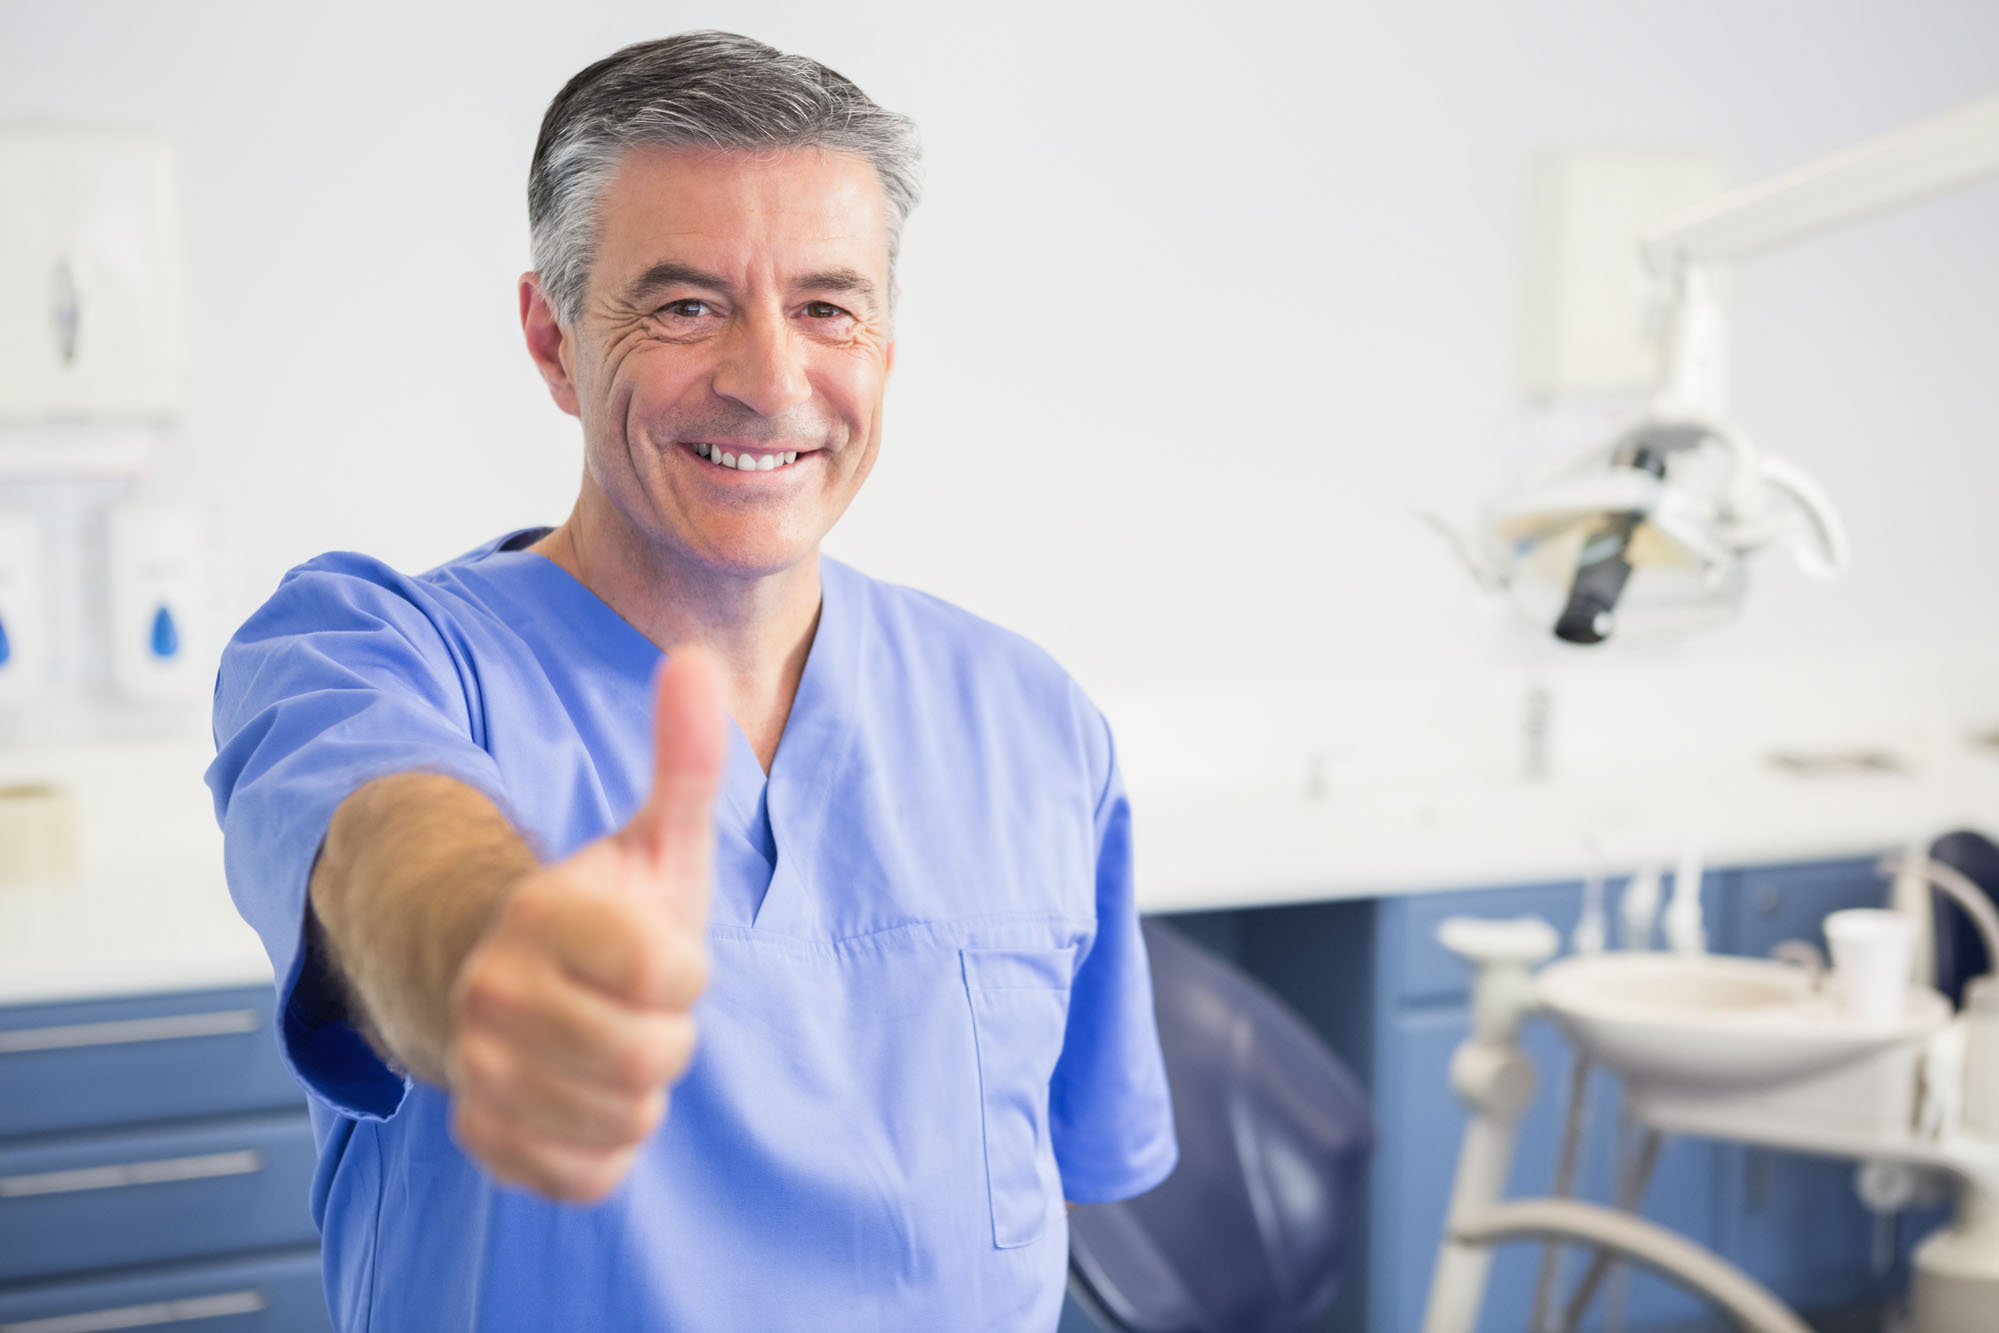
[(164, 928), (1199, 850), (1289, 794), (1240, 798), (149, 910)]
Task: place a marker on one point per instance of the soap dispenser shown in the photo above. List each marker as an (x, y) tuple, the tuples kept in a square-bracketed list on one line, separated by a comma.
[(22, 631), (1640, 908), (1686, 932), (154, 560)]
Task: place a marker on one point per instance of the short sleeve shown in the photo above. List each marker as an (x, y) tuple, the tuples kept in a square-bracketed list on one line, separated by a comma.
[(340, 678), (1110, 1118)]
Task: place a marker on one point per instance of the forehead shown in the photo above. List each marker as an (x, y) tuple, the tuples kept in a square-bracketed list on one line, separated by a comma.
[(741, 212)]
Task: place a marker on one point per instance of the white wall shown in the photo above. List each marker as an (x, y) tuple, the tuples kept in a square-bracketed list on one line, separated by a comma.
[(1198, 298)]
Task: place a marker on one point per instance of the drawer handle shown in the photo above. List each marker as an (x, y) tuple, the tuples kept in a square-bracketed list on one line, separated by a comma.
[(129, 1030), (120, 1174), (146, 1316)]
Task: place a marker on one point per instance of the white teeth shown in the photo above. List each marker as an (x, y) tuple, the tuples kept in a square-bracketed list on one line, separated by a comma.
[(746, 462)]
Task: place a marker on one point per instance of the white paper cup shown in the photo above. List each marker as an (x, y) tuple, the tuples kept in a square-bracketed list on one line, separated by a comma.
[(1873, 962)]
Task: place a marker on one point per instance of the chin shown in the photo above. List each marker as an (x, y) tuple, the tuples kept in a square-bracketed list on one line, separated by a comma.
[(752, 557)]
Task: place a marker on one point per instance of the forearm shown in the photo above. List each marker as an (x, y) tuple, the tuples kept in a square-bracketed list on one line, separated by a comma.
[(412, 871)]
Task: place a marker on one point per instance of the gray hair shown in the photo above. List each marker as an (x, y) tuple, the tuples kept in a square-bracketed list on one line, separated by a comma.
[(696, 90)]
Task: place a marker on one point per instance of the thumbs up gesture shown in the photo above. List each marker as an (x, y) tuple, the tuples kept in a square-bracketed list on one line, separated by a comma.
[(571, 1018)]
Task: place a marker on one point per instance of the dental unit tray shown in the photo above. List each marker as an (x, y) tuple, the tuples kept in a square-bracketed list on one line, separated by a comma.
[(1737, 1043), (1749, 1050)]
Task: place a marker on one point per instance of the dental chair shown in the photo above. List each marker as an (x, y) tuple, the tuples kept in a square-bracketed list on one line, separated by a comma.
[(1252, 1231), (1960, 953)]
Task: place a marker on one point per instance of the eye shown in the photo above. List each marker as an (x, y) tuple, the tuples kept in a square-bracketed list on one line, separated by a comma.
[(685, 308), (823, 310)]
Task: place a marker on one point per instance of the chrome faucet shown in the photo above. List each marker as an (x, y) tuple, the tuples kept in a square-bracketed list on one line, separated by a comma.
[(1537, 719)]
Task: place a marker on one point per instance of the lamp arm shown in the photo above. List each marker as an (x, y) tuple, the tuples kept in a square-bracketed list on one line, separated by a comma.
[(1830, 554), (1476, 562), (1693, 370), (1873, 176)]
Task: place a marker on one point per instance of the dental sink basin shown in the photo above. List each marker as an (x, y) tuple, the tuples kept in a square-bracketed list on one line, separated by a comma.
[(1709, 1024)]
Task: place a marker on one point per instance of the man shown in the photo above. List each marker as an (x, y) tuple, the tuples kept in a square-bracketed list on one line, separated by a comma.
[(480, 842)]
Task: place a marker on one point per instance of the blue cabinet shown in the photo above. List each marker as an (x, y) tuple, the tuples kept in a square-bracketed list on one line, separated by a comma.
[(155, 1165), (132, 1059), (153, 1193), (265, 1293)]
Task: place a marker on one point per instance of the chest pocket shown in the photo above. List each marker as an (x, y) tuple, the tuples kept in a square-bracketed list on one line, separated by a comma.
[(1020, 1012)]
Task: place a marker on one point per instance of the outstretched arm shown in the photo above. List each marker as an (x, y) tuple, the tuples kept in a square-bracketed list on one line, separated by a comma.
[(553, 1001)]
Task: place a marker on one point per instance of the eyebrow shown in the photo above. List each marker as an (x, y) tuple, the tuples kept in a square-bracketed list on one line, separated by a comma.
[(844, 281), (668, 273), (671, 273)]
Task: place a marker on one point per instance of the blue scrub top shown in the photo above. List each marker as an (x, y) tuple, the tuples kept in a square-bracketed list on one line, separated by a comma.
[(928, 1018)]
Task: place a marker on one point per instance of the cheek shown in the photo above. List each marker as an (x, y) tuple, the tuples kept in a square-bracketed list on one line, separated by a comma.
[(604, 392), (654, 376), (854, 390)]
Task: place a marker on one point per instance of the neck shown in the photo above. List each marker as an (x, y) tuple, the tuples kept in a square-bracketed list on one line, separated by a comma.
[(757, 628)]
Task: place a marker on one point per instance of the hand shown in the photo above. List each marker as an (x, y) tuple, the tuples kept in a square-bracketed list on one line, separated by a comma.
[(570, 1017)]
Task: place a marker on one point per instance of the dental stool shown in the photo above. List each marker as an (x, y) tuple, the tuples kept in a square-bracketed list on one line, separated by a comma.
[(1251, 1232)]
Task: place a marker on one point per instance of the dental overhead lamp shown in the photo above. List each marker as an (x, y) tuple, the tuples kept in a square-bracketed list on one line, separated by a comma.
[(1649, 533)]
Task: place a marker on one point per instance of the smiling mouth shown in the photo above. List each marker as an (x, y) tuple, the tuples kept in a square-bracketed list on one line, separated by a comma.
[(748, 460)]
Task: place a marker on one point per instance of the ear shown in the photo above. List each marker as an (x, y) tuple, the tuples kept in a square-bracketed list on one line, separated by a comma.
[(549, 344), (888, 361)]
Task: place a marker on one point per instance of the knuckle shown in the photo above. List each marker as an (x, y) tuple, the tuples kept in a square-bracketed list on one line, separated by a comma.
[(657, 954), (641, 972), (592, 1182), (637, 1067), (693, 971), (675, 967), (481, 1062), (488, 992), (514, 1160), (641, 1117), (536, 897), (527, 1173), (680, 1039), (523, 916), (541, 910), (571, 1181), (473, 1132)]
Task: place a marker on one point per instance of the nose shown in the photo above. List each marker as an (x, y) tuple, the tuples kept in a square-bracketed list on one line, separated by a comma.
[(762, 366)]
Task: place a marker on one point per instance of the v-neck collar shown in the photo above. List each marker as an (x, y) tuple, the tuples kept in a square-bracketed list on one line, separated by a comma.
[(813, 747), (817, 731)]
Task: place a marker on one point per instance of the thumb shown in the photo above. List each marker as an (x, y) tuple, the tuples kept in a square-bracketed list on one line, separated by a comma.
[(675, 829)]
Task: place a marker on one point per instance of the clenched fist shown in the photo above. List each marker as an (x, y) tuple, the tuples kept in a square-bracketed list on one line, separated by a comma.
[(570, 1018)]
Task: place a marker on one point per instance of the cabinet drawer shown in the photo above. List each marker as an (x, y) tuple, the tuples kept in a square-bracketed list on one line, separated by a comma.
[(273, 1293), (158, 1057), (107, 1200)]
